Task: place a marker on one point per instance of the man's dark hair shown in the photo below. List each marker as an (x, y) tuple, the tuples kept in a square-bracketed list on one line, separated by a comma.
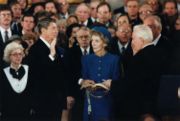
[(4, 8), (41, 15), (44, 23), (104, 4), (27, 15), (172, 1), (13, 3)]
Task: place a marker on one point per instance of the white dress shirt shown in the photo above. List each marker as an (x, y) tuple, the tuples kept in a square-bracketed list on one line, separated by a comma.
[(3, 33)]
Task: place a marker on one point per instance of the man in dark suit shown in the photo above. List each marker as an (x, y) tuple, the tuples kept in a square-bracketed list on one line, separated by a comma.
[(74, 57), (5, 30), (104, 15), (47, 74), (64, 6), (121, 45), (132, 12), (27, 24), (16, 14), (161, 42), (136, 95), (93, 10), (83, 13)]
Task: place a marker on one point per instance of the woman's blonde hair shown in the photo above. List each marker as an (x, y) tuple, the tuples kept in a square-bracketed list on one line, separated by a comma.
[(9, 48), (100, 35)]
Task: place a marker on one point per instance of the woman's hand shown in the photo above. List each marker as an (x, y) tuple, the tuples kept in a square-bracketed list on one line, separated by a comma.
[(107, 83), (87, 84)]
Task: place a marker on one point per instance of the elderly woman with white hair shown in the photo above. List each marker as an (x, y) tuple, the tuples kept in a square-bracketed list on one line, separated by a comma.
[(15, 90), (137, 93)]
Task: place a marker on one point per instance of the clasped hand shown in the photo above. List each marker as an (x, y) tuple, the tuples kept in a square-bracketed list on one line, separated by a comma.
[(89, 84)]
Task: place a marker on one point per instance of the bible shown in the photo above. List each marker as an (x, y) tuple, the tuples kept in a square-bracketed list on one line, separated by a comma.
[(100, 86)]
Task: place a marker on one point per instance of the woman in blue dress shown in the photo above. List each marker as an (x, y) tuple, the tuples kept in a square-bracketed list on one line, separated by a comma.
[(97, 68)]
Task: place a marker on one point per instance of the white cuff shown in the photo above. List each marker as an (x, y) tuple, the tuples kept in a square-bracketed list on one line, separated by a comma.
[(51, 57), (80, 81)]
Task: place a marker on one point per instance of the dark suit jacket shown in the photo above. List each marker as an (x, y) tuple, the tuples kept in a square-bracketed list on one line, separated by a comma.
[(48, 80), (17, 29), (74, 55), (125, 57), (119, 10), (73, 59), (90, 22), (137, 93), (166, 46)]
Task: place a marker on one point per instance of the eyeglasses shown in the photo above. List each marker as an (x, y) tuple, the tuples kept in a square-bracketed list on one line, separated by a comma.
[(152, 3), (17, 54), (7, 14), (124, 31), (85, 37), (145, 12)]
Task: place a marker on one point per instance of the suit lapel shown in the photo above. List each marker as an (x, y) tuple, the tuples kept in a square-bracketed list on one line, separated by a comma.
[(1, 41)]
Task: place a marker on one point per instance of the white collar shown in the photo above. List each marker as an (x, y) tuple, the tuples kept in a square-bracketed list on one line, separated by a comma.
[(3, 32), (87, 49), (156, 40), (85, 23), (93, 19), (66, 15), (45, 42), (120, 45), (148, 45), (17, 85)]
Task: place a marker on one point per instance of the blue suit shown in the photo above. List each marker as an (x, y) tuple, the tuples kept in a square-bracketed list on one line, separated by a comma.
[(97, 69)]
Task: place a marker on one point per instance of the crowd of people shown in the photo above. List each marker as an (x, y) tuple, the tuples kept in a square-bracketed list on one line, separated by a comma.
[(89, 64)]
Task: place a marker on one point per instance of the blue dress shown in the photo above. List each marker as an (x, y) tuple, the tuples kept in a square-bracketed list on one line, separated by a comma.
[(99, 68)]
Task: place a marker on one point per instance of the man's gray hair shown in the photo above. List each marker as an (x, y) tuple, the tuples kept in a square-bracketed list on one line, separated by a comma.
[(156, 19)]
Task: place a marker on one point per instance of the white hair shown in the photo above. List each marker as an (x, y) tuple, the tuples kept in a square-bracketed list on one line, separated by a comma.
[(144, 32), (9, 48)]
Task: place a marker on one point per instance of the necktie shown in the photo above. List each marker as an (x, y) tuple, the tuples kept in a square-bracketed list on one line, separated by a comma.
[(85, 52), (123, 50), (17, 74), (6, 37)]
